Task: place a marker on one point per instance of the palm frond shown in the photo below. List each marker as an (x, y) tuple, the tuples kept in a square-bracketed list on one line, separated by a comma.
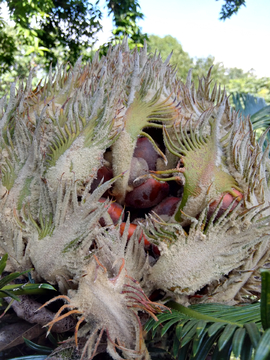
[(261, 119), (196, 331), (247, 104), (256, 108)]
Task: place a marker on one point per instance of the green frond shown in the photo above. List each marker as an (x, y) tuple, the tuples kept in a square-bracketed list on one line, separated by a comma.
[(219, 329), (263, 350), (10, 277), (199, 330), (237, 314)]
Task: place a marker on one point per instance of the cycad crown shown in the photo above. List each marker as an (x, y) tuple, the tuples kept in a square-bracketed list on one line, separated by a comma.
[(67, 159)]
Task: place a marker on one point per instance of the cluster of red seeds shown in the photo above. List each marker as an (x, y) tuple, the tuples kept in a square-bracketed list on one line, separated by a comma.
[(148, 194)]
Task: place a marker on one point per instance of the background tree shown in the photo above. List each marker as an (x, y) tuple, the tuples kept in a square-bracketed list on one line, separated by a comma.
[(54, 30), (235, 80), (53, 27), (125, 15), (230, 7), (169, 44)]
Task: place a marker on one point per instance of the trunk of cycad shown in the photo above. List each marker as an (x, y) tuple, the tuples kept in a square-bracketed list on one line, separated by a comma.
[(57, 139)]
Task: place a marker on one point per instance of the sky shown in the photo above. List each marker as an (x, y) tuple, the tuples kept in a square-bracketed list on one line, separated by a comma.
[(243, 41)]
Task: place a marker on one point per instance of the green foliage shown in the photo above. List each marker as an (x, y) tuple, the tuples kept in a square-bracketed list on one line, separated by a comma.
[(38, 348), (22, 289), (7, 47), (219, 73), (196, 334), (183, 62), (250, 84), (45, 26), (230, 7), (261, 119), (44, 351), (44, 32), (217, 329), (259, 112), (125, 14), (247, 104)]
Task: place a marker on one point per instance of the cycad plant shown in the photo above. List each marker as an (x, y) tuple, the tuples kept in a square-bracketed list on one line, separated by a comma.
[(125, 187)]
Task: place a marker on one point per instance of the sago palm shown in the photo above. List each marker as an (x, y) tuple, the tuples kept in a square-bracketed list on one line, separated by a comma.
[(125, 187)]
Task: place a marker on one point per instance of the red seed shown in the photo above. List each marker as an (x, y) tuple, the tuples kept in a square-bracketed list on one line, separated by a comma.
[(103, 173), (131, 229), (167, 206), (115, 211), (148, 194), (226, 202), (155, 250), (144, 149)]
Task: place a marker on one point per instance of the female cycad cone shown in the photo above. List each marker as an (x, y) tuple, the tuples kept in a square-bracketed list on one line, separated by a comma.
[(74, 168)]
